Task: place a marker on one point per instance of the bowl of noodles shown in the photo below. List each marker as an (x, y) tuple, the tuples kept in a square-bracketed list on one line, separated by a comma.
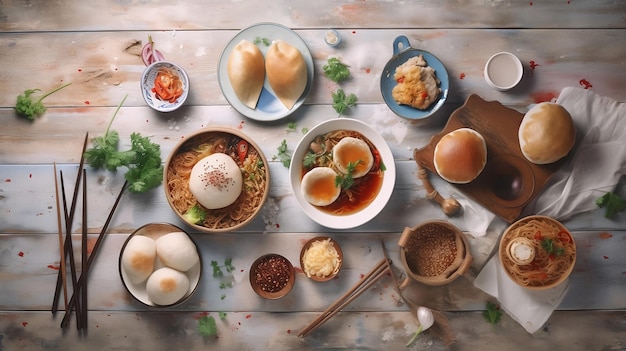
[(216, 179), (342, 173), (537, 252)]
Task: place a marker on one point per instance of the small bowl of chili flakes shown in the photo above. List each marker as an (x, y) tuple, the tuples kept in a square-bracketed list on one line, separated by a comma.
[(164, 86), (434, 252), (272, 276)]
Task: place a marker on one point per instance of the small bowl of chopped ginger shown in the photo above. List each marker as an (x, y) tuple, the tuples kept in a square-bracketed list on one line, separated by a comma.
[(321, 258), (164, 86)]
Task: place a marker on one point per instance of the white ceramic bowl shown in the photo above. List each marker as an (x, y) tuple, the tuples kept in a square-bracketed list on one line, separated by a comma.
[(503, 71), (364, 215), (138, 291), (147, 83)]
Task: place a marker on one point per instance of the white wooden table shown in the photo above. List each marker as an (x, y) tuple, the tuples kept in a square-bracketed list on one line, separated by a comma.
[(96, 44)]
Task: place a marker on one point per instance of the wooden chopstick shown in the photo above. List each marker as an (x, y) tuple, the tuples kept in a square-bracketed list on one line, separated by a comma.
[(69, 247), (82, 281), (380, 270), (83, 261), (63, 269), (68, 224)]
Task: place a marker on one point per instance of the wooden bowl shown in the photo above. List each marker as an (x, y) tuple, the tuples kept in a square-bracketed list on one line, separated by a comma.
[(434, 252), (218, 220), (509, 265), (265, 270), (308, 245)]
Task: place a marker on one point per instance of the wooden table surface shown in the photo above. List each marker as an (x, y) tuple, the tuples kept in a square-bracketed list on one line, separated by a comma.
[(96, 46)]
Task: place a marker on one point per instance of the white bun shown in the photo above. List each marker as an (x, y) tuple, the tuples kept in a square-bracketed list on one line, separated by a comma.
[(166, 286), (246, 72), (352, 150), (286, 72), (176, 250), (460, 156), (216, 181), (138, 258), (547, 133), (318, 186)]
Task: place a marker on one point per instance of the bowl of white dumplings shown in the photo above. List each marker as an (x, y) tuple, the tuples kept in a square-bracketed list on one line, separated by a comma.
[(160, 265)]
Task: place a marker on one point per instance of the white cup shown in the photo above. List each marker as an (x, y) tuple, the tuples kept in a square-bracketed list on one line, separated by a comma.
[(503, 71)]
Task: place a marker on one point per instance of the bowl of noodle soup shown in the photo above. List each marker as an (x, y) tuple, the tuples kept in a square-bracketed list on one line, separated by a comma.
[(249, 160), (367, 194), (552, 247)]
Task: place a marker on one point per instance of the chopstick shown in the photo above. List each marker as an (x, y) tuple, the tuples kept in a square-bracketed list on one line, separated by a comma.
[(381, 269), (63, 269), (67, 249), (82, 281), (83, 260)]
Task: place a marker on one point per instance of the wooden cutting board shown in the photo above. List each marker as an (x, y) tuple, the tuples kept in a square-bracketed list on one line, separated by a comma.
[(509, 181)]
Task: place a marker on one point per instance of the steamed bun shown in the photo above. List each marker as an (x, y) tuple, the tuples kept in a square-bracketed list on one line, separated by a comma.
[(216, 181), (176, 250), (166, 286), (138, 258), (547, 133), (286, 72), (246, 72)]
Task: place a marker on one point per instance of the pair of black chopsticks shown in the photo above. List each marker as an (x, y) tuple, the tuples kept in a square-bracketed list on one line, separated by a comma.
[(78, 300)]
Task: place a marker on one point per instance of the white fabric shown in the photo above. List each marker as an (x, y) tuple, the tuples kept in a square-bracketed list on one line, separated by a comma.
[(594, 168)]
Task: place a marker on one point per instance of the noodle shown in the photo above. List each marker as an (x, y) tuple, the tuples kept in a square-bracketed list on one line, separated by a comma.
[(364, 190), (253, 171), (545, 268)]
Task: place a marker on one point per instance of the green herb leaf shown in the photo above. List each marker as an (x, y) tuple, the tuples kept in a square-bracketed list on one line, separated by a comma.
[(28, 108), (217, 271), (613, 204), (262, 40), (346, 181), (283, 154), (207, 326), (309, 159), (292, 126), (336, 70), (341, 102), (222, 315), (551, 247), (492, 313)]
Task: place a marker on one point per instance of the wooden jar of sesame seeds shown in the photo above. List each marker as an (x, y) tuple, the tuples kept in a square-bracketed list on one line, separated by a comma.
[(434, 252)]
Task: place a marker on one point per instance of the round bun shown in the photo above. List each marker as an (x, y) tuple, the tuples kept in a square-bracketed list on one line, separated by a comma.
[(166, 286), (176, 250), (460, 155), (138, 258), (547, 133), (216, 181)]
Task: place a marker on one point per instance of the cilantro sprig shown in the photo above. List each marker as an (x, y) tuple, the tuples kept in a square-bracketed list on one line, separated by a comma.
[(492, 313), (612, 203), (346, 181), (284, 156), (551, 247), (27, 107), (336, 70), (217, 268), (342, 102), (143, 160)]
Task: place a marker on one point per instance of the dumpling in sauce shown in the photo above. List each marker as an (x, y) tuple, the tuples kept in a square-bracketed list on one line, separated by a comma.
[(246, 71), (286, 72)]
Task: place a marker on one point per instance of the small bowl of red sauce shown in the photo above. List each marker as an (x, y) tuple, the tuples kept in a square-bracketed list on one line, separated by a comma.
[(272, 276), (164, 86)]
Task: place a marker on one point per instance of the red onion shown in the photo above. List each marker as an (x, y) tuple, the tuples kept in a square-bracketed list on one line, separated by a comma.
[(149, 55)]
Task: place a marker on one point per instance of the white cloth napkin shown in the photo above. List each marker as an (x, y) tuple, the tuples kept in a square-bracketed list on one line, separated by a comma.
[(598, 161), (595, 167)]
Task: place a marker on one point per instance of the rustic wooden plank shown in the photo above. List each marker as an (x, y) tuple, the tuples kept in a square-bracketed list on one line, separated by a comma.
[(105, 66), (96, 15)]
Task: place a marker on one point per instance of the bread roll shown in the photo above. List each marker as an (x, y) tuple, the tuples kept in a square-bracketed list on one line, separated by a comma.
[(547, 133), (176, 250), (286, 72), (460, 155), (166, 286), (138, 258), (246, 71)]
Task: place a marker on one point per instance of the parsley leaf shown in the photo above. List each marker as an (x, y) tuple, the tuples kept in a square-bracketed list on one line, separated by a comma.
[(336, 70), (284, 156), (551, 247), (207, 326), (26, 107), (309, 159), (341, 101), (346, 181), (492, 313), (612, 202)]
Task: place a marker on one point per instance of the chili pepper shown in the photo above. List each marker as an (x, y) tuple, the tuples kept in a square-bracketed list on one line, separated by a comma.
[(564, 236), (242, 150), (538, 236)]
